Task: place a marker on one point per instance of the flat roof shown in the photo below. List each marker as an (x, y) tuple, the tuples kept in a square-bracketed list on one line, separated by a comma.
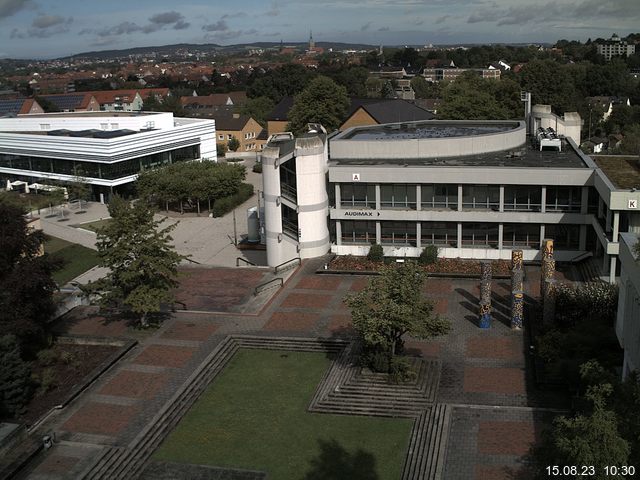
[(104, 113), (527, 156), (418, 130), (623, 171)]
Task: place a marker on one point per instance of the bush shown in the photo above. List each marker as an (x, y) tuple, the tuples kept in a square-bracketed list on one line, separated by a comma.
[(400, 370), (221, 149), (429, 255), (47, 357), (257, 167), (15, 378), (226, 204), (47, 380), (376, 253), (591, 300)]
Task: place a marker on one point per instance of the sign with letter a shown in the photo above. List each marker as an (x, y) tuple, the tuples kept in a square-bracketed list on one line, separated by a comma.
[(355, 177)]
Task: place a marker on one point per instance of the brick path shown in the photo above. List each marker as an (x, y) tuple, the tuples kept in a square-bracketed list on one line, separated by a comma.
[(479, 367)]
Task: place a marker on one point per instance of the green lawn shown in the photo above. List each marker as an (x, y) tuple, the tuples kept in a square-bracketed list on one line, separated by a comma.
[(94, 226), (77, 259), (253, 416)]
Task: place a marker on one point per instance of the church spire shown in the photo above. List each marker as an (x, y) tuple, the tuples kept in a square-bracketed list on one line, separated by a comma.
[(312, 44)]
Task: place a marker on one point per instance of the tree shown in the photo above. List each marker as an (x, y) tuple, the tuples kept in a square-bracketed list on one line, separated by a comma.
[(470, 97), (322, 101), (79, 189), (388, 90), (233, 144), (258, 109), (143, 265), (26, 286), (14, 377), (392, 305), (424, 89), (287, 80)]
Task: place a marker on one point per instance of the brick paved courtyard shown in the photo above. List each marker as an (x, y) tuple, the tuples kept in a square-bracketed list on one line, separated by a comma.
[(481, 369)]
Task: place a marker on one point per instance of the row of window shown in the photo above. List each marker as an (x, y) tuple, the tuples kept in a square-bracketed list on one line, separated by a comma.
[(107, 171), (445, 234), (474, 197), (247, 136)]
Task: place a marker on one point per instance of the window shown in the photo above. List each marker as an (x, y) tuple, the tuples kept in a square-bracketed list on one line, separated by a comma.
[(564, 236), (479, 234), (357, 195), (523, 198), (115, 126), (481, 197), (439, 196), (358, 232), (398, 233), (45, 126), (220, 137), (229, 137), (520, 235), (288, 180), (399, 196), (289, 221), (439, 233), (564, 199), (104, 126)]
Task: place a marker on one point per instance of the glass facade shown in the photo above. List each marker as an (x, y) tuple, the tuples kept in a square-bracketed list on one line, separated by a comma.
[(439, 196), (480, 235), (289, 221), (564, 236), (443, 234), (522, 198), (400, 196), (481, 197), (358, 232), (106, 171), (564, 199), (398, 233), (357, 195), (520, 235), (288, 180)]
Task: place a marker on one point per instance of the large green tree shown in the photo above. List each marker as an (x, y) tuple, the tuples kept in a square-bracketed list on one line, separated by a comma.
[(393, 305), (258, 109), (26, 286), (322, 101), (470, 97), (142, 263)]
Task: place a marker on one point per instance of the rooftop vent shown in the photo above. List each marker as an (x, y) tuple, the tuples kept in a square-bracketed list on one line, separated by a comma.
[(548, 139)]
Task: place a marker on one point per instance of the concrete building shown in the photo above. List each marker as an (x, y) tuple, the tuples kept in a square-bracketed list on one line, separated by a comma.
[(475, 189), (628, 320), (448, 73), (107, 150), (615, 47)]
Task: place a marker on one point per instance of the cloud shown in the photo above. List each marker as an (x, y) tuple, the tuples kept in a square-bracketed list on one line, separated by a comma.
[(441, 19), (11, 7), (181, 25), (274, 11), (383, 29), (46, 21), (44, 26), (234, 15), (223, 35), (365, 27), (124, 28), (166, 18), (219, 26)]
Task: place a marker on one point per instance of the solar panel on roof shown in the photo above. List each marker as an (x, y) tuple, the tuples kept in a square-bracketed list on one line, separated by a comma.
[(10, 106), (67, 102)]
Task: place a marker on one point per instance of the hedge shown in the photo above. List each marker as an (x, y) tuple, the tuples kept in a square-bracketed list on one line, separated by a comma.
[(226, 204)]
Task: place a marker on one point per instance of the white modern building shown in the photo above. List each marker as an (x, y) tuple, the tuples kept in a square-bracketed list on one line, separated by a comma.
[(475, 189), (615, 47), (628, 319), (106, 149)]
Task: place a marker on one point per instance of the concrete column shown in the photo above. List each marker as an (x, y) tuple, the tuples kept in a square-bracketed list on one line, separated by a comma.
[(616, 226), (584, 203), (378, 232), (378, 199), (501, 205), (612, 270), (605, 264), (541, 234), (337, 194), (500, 234), (459, 198), (608, 221), (600, 206), (459, 235), (418, 197), (543, 202), (582, 242), (418, 234), (338, 232)]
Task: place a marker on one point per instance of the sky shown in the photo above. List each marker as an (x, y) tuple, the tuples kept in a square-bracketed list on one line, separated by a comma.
[(54, 28)]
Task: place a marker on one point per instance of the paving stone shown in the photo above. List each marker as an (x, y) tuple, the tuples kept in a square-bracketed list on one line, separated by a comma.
[(506, 438), (509, 348), (164, 356), (305, 300), (494, 380), (133, 384), (190, 330), (100, 418), (56, 465), (320, 282), (292, 321)]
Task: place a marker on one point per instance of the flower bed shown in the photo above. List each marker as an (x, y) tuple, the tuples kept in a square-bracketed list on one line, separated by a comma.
[(453, 266)]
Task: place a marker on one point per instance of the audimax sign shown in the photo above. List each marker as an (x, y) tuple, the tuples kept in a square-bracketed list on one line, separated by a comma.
[(360, 213)]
